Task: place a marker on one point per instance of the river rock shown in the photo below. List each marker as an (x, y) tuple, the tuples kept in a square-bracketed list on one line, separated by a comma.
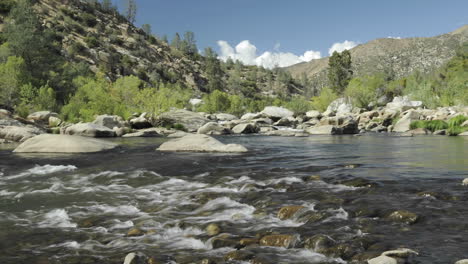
[(4, 113), (213, 128), (464, 134), (286, 241), (400, 253), (276, 113), (200, 143), (419, 131), (54, 121), (239, 255), (462, 261), (225, 117), (109, 121), (20, 133), (319, 243), (313, 114), (246, 128), (403, 216), (148, 132), (135, 258), (41, 117), (192, 121), (403, 103), (465, 182), (403, 125), (250, 116), (287, 212), (135, 232), (383, 260), (47, 143), (338, 107), (89, 130), (286, 121), (324, 130), (213, 229), (140, 123)]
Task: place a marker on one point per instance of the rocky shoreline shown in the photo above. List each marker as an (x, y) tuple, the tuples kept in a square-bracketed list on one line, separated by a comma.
[(339, 118)]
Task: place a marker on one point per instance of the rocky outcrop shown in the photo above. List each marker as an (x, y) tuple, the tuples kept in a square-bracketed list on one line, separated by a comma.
[(48, 143), (200, 143), (89, 130), (42, 117), (191, 121)]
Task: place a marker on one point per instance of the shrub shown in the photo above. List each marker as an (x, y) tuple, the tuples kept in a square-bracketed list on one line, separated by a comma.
[(89, 19), (457, 120), (433, 125), (6, 6), (322, 101), (299, 105), (92, 42), (217, 101), (363, 90)]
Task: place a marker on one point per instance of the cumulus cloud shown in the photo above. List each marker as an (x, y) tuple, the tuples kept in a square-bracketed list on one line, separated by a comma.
[(390, 37), (341, 46), (246, 52)]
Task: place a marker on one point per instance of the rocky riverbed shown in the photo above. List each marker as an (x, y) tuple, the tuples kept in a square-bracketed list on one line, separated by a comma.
[(317, 199)]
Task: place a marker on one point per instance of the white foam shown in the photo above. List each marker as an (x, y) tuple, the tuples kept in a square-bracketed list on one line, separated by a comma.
[(118, 210), (121, 225), (43, 170), (68, 244), (339, 214), (57, 218)]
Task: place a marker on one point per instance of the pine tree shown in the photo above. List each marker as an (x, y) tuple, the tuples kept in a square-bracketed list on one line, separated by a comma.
[(189, 45), (130, 8), (147, 29), (213, 70), (176, 41), (339, 71)]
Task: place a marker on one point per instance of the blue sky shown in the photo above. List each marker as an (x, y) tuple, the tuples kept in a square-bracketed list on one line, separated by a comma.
[(297, 26)]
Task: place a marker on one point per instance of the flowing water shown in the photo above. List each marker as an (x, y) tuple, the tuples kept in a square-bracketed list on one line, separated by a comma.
[(79, 208)]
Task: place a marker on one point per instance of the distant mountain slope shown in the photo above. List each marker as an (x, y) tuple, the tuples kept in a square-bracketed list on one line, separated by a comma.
[(398, 57)]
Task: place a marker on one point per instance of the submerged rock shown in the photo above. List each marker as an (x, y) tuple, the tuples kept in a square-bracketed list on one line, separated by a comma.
[(286, 241), (135, 232), (465, 182), (462, 261), (400, 253), (213, 229), (319, 243), (239, 255), (200, 143), (47, 143), (288, 211), (403, 216)]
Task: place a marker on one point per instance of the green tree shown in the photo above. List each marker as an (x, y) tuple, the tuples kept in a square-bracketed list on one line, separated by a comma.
[(188, 45), (176, 41), (363, 90), (130, 10), (12, 77), (339, 71), (213, 70), (147, 29), (322, 101), (27, 40)]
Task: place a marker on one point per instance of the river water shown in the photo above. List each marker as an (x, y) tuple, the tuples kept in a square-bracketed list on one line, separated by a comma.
[(79, 208)]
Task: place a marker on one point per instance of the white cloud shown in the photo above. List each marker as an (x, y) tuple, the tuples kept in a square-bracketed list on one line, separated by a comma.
[(247, 54), (390, 37), (341, 46)]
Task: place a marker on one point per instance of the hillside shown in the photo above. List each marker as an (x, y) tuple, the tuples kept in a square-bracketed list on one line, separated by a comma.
[(397, 57)]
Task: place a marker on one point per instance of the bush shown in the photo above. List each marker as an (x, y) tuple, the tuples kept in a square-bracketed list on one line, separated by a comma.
[(92, 42), (89, 19), (322, 101), (457, 120), (6, 6), (215, 102), (299, 105), (363, 90)]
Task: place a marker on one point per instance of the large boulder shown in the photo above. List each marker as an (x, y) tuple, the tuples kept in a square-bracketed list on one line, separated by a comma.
[(42, 117), (324, 130), (191, 121), (200, 143), (20, 132), (403, 125), (4, 113), (276, 113), (109, 121), (313, 114), (140, 122), (250, 116), (225, 117), (148, 132), (89, 130), (246, 128), (340, 106), (47, 143), (213, 128), (403, 103)]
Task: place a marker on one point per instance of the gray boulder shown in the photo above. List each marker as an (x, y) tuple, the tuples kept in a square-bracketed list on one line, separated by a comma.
[(20, 132), (47, 143), (140, 122), (340, 106), (276, 113), (109, 121), (4, 113), (213, 128), (313, 114), (250, 116), (200, 143), (246, 128), (464, 134), (403, 103), (149, 132), (383, 260), (403, 125), (225, 117), (324, 130), (192, 121), (286, 121), (462, 261), (89, 130), (41, 117)]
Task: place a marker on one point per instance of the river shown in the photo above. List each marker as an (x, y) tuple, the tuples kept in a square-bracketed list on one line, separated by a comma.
[(79, 208)]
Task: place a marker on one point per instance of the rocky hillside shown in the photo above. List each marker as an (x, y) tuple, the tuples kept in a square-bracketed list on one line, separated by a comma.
[(398, 57)]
